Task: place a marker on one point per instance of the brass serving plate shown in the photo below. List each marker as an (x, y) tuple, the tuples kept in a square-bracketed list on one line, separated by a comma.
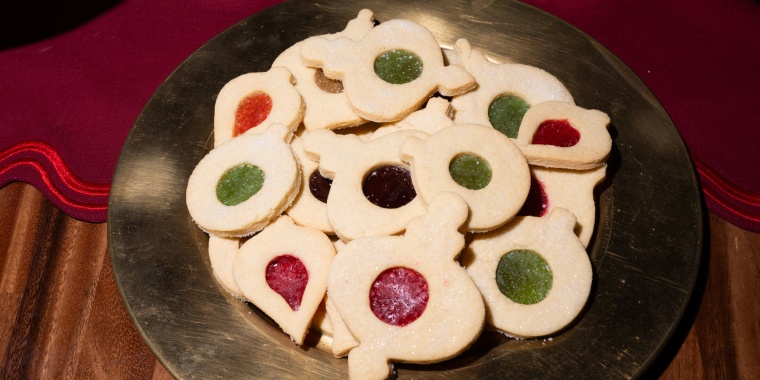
[(645, 252)]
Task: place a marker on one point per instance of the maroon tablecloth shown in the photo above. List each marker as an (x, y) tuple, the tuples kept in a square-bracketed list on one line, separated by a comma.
[(69, 100)]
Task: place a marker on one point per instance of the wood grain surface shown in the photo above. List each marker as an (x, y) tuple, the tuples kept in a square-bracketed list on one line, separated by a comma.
[(62, 317)]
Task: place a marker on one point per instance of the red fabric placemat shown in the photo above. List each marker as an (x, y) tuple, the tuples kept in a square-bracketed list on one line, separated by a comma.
[(70, 100)]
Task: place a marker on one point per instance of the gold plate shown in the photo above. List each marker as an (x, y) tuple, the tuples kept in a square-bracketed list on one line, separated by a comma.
[(645, 251)]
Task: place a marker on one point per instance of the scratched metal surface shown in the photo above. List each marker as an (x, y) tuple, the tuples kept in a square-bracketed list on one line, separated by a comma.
[(645, 250)]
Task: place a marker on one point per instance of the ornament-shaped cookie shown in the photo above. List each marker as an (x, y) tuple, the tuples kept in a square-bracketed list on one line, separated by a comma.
[(255, 100), (572, 190), (326, 104), (390, 72), (534, 274), (563, 135), (238, 187), (310, 206), (405, 298), (283, 271), (505, 91), (372, 192), (476, 162)]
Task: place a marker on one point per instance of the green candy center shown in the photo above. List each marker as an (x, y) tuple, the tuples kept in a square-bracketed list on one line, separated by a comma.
[(524, 276), (239, 183), (506, 113), (470, 171), (398, 66)]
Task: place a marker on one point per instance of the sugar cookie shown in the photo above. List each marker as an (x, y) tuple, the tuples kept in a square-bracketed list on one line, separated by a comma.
[(222, 252), (238, 187), (372, 193), (435, 116), (390, 72), (476, 162), (534, 274), (563, 135), (326, 104), (283, 271), (310, 205), (256, 100), (406, 298), (505, 91), (320, 321), (572, 190), (342, 341)]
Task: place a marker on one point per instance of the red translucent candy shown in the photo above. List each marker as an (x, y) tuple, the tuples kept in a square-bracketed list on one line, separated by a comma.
[(556, 132), (399, 296), (251, 111), (287, 276), (537, 202)]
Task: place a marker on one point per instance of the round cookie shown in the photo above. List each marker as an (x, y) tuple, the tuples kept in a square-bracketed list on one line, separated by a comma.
[(563, 135), (372, 192), (435, 116), (310, 205), (405, 298), (222, 253), (238, 187), (572, 190), (254, 100), (390, 72), (283, 271), (534, 274), (476, 162), (326, 104), (504, 91)]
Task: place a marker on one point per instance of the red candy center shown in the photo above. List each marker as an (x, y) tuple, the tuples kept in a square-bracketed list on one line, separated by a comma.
[(537, 202), (287, 276), (399, 296), (556, 132), (251, 111)]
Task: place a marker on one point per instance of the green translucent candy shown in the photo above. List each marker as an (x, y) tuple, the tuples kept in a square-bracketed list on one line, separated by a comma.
[(506, 113), (470, 171), (398, 66), (524, 276), (239, 183)]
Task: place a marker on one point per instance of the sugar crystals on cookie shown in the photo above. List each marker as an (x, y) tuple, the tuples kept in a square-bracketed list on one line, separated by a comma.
[(238, 187), (390, 72)]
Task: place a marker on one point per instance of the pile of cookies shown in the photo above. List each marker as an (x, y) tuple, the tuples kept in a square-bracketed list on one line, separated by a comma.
[(398, 198)]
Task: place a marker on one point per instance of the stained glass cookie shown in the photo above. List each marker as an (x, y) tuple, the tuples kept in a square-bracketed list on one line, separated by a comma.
[(326, 104), (283, 271), (534, 274), (476, 162), (238, 187), (390, 72), (372, 192), (505, 91), (310, 205), (256, 100), (405, 298), (572, 190), (563, 135)]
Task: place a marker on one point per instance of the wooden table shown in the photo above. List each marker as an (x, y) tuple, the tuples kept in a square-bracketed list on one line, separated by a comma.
[(63, 317)]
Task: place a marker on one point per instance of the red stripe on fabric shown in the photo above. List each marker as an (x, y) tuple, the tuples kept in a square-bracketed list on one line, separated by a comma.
[(51, 186), (728, 200), (749, 218), (725, 187), (69, 179)]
